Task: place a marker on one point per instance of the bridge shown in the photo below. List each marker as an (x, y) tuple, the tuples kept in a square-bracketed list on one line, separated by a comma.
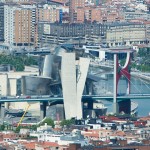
[(47, 98), (115, 97)]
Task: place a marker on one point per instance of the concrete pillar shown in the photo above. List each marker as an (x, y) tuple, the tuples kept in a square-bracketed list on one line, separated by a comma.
[(42, 110), (73, 83), (81, 78), (68, 79), (7, 105), (115, 108), (115, 104), (2, 110), (118, 72)]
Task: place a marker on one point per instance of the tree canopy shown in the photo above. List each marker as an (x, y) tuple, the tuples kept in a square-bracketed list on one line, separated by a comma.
[(49, 121), (144, 55), (18, 62), (67, 122)]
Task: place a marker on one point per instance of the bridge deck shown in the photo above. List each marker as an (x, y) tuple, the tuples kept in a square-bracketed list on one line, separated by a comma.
[(84, 97)]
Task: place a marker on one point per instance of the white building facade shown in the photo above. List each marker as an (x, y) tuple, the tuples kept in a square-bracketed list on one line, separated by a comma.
[(8, 23)]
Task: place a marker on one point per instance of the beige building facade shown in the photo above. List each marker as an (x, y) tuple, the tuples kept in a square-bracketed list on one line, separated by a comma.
[(9, 84), (19, 24), (3, 84), (48, 13), (73, 9), (22, 25), (129, 34)]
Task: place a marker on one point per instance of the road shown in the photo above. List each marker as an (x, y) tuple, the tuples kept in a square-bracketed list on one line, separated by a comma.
[(46, 98)]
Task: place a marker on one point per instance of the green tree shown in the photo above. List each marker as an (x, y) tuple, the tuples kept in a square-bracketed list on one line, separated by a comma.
[(18, 129), (49, 121), (67, 122), (18, 62), (33, 127), (133, 65)]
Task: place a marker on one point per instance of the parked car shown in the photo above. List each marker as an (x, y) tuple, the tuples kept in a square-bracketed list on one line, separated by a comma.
[(28, 96)]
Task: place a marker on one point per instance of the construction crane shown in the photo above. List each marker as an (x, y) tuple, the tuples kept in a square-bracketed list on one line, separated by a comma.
[(23, 115)]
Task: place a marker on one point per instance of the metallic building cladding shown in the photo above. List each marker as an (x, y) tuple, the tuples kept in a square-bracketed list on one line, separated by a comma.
[(47, 69), (51, 67), (33, 85), (49, 83)]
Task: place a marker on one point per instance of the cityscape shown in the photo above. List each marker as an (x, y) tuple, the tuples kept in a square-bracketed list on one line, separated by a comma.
[(75, 75)]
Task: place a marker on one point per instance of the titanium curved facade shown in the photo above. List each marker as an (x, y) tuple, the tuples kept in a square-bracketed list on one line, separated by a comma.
[(48, 63), (33, 85), (51, 67)]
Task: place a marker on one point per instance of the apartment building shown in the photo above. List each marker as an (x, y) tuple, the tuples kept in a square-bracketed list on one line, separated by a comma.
[(1, 22), (8, 23), (79, 15), (73, 11), (22, 25), (19, 25), (96, 15), (125, 34), (147, 31), (130, 15), (101, 15), (48, 13), (60, 33), (112, 34), (88, 14)]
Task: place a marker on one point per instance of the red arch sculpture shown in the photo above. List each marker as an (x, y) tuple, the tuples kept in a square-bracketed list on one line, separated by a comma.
[(125, 71)]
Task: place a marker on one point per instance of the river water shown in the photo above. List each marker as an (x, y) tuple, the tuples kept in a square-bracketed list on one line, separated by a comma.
[(138, 86)]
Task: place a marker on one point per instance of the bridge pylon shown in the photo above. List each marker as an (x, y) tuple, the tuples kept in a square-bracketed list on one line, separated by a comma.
[(118, 72)]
